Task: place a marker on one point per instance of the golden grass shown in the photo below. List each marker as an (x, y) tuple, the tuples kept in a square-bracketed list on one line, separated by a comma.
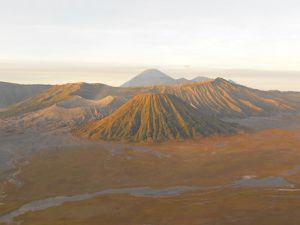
[(210, 161), (227, 207)]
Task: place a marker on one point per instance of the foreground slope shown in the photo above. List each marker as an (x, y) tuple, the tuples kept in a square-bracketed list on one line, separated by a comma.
[(212, 164), (154, 117)]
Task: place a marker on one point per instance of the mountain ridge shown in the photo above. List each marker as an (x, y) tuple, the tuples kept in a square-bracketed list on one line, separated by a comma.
[(225, 99), (217, 97)]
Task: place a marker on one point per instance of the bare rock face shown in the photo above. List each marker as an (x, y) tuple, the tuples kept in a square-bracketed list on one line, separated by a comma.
[(154, 118)]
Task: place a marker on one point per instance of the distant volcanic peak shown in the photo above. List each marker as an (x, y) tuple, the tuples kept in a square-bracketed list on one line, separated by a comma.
[(154, 118), (201, 79), (153, 73), (154, 77), (149, 77)]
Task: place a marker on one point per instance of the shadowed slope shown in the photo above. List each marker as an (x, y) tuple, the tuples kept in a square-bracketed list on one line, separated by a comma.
[(66, 114), (154, 117), (65, 93), (11, 93), (43, 100)]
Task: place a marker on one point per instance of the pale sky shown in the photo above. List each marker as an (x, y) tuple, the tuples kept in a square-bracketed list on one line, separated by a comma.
[(57, 41)]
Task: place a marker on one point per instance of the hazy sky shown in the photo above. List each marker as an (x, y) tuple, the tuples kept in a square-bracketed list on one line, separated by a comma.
[(56, 41)]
